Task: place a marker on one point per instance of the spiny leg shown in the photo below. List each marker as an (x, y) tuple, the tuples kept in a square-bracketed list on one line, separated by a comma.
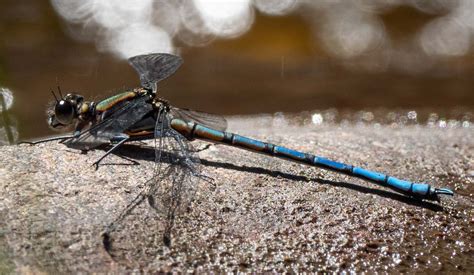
[(121, 140), (61, 138)]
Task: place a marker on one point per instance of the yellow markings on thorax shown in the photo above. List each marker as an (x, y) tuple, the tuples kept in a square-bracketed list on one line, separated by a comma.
[(108, 103), (84, 108)]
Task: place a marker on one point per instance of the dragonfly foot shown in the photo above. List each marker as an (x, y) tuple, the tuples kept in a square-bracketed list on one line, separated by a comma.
[(26, 142), (207, 146), (96, 165)]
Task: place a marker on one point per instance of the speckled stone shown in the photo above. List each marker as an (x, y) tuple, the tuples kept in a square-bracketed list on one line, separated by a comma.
[(258, 214)]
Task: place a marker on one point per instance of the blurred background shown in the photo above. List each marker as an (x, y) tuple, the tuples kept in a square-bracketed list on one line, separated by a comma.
[(329, 59)]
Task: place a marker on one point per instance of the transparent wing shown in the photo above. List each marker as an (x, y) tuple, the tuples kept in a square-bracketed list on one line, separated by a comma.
[(209, 120), (115, 123), (152, 68), (176, 176)]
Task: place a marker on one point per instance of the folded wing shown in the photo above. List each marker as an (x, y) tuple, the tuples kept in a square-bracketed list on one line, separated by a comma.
[(152, 68)]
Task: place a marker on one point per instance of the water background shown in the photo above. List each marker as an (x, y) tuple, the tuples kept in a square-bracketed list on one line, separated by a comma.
[(291, 62)]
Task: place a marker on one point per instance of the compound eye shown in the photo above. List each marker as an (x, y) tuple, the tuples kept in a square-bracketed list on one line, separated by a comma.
[(64, 112)]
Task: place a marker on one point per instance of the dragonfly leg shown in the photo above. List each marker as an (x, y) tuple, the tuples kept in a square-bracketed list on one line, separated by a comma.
[(60, 138), (204, 148), (117, 141)]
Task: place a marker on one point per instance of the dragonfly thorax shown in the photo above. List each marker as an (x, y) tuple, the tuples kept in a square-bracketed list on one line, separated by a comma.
[(161, 103)]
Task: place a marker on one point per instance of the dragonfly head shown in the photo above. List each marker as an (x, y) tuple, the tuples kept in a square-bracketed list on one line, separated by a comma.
[(64, 111)]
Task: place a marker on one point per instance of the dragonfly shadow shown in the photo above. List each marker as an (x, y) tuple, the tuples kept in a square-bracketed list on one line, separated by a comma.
[(148, 154), (358, 188)]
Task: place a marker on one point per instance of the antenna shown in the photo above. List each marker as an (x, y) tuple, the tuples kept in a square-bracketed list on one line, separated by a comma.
[(59, 90), (54, 95)]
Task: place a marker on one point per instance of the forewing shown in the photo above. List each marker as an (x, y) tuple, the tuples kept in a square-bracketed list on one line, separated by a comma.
[(114, 124), (177, 173), (209, 120), (152, 68)]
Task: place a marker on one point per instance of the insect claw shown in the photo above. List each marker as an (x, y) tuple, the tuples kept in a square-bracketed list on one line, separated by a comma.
[(26, 142)]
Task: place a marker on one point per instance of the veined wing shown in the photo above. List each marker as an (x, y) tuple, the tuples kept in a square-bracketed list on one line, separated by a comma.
[(114, 124), (176, 175), (152, 68), (209, 120)]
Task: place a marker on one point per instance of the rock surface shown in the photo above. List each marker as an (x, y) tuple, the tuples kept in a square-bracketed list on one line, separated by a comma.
[(258, 214)]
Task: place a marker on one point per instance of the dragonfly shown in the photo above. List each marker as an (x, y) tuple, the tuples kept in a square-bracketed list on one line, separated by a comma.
[(140, 114)]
